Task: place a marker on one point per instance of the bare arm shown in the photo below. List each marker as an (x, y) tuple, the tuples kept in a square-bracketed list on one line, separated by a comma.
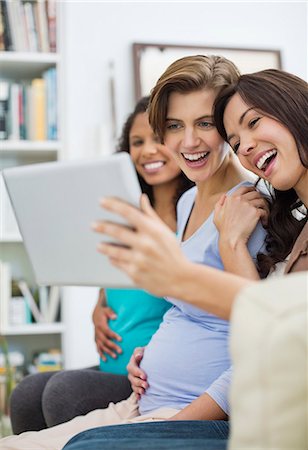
[(154, 261), (203, 408)]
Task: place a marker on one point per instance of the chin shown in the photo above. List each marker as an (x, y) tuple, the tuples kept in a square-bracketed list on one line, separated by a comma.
[(283, 186)]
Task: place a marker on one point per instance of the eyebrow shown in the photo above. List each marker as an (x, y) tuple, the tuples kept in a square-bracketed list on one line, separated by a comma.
[(240, 121), (135, 136), (205, 116)]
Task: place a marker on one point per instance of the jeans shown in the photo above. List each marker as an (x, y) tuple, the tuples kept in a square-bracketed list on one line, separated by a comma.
[(180, 435)]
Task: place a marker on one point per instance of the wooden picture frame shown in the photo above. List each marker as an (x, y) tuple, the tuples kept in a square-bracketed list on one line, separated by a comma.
[(150, 60)]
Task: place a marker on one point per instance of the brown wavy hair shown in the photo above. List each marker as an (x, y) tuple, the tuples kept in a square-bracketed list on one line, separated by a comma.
[(188, 74), (283, 96)]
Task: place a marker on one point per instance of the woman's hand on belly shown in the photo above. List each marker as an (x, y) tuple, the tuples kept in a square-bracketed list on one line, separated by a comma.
[(136, 376), (105, 338)]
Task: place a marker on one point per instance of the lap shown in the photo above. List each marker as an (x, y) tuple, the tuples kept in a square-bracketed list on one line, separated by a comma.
[(204, 435), (72, 393)]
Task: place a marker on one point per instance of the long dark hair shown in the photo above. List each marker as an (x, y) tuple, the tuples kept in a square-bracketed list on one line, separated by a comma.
[(284, 97), (183, 182)]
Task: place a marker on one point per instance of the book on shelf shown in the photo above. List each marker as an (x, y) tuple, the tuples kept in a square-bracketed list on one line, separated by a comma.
[(42, 25), (4, 107), (38, 100), (44, 303), (6, 36), (27, 294), (14, 112), (2, 31), (52, 24), (46, 361), (50, 77), (28, 25), (19, 311), (31, 27), (28, 109)]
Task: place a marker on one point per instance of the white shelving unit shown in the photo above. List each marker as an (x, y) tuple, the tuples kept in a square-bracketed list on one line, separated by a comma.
[(35, 328), (16, 66)]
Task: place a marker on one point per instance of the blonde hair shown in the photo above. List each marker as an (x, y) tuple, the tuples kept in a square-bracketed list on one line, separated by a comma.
[(188, 74)]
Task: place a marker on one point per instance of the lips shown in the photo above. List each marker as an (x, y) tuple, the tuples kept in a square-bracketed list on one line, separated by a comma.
[(263, 160), (153, 166), (195, 156)]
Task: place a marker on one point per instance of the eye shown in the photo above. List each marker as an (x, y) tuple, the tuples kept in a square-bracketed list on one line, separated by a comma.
[(173, 126), (137, 143), (205, 124), (236, 147), (253, 122)]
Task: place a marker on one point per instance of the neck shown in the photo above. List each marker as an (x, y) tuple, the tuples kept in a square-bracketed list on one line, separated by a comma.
[(164, 202)]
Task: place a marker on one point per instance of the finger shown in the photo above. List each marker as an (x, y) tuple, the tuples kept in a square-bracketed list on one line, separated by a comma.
[(138, 391), (101, 353), (119, 232), (252, 195), (264, 218), (242, 190), (136, 372), (115, 252), (110, 313), (222, 200), (109, 352), (112, 335), (132, 214), (139, 385), (110, 346), (259, 203)]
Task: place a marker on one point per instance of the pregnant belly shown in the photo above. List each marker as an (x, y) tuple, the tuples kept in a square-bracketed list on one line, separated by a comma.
[(181, 361)]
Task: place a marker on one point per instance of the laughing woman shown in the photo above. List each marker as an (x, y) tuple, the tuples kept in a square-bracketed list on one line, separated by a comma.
[(188, 355), (123, 318), (268, 132)]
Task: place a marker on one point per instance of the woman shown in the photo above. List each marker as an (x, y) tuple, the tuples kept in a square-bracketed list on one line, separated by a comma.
[(169, 272), (187, 89), (122, 318), (270, 140), (269, 133)]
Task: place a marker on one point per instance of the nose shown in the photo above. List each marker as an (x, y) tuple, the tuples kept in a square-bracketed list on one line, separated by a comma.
[(247, 144), (149, 149), (190, 138)]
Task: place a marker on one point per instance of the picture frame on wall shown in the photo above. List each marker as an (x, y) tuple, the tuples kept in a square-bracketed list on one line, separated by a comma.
[(150, 60)]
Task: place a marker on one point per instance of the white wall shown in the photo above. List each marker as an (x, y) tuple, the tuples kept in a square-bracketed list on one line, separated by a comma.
[(95, 33)]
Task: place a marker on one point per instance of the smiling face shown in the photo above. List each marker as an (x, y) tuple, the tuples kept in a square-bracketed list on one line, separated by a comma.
[(264, 145), (191, 136), (152, 160)]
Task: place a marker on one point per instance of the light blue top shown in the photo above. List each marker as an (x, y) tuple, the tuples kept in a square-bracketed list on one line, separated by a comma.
[(189, 355), (138, 317)]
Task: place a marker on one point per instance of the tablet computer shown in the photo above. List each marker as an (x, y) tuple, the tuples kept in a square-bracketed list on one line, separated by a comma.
[(55, 204)]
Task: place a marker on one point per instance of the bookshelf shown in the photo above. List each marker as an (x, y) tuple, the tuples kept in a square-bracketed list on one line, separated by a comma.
[(23, 60)]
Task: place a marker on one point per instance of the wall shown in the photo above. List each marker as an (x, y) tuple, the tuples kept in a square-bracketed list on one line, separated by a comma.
[(95, 33)]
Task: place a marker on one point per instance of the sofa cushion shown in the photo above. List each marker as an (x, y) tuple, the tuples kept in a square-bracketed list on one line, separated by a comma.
[(269, 350)]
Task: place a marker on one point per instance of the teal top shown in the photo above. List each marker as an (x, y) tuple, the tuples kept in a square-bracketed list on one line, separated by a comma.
[(138, 317)]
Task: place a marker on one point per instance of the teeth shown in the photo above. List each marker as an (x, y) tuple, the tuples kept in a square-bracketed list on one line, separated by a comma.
[(194, 156), (264, 158), (153, 165)]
